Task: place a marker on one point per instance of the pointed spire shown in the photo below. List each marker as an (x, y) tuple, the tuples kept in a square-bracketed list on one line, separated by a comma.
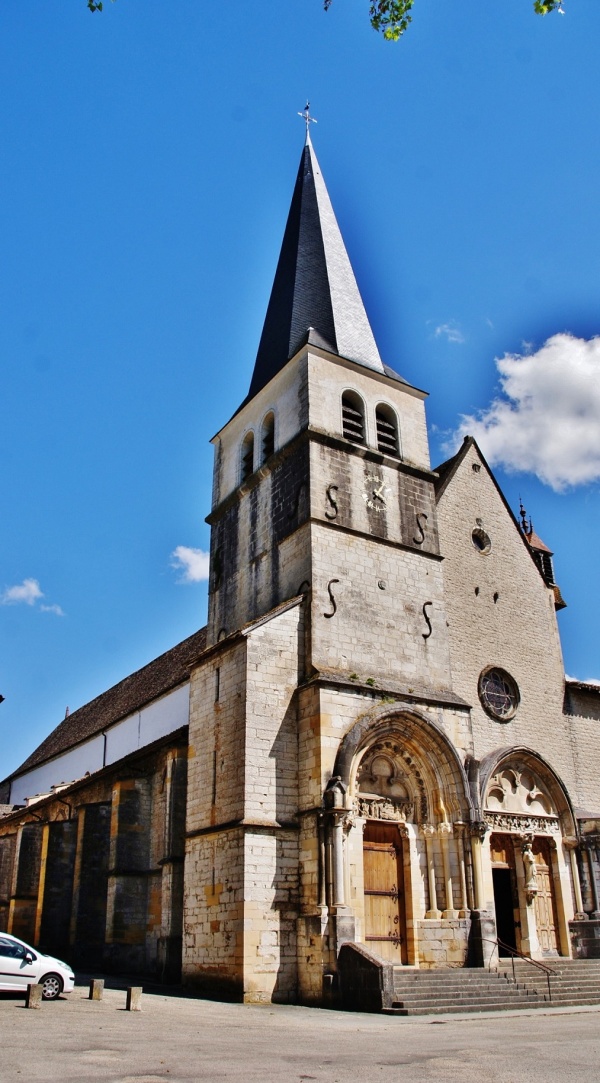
[(314, 286)]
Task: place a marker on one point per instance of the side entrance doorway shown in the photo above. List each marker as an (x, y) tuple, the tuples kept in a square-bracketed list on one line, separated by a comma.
[(506, 900), (534, 903), (385, 911)]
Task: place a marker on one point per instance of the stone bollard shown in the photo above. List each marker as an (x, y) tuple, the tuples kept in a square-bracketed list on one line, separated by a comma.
[(34, 996), (96, 988), (134, 999)]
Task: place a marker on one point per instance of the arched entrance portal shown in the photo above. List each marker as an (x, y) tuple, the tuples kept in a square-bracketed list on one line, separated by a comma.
[(401, 842), (532, 827)]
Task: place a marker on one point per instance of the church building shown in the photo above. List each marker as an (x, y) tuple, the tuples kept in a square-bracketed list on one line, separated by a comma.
[(371, 747)]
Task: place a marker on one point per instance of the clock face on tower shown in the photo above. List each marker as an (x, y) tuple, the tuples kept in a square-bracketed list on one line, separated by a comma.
[(375, 493)]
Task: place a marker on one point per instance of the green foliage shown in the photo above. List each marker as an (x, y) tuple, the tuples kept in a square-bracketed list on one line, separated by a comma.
[(392, 17)]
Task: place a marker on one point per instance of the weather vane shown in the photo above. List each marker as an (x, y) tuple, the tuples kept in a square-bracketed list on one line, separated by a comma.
[(305, 114)]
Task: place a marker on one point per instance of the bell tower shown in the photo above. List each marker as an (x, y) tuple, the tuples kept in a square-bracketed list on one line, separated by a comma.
[(322, 481)]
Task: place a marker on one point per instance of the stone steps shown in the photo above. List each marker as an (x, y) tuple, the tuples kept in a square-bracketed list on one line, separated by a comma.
[(476, 1006), (573, 981), (427, 992), (368, 983)]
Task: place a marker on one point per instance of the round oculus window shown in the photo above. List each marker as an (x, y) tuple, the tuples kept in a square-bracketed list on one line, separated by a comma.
[(481, 541), (499, 694)]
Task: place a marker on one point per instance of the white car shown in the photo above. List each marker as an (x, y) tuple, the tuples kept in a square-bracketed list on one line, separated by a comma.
[(22, 965)]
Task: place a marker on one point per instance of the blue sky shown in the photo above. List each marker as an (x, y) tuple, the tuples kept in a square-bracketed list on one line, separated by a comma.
[(148, 159)]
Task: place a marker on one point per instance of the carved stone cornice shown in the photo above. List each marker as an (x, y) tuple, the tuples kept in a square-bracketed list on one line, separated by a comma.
[(521, 823)]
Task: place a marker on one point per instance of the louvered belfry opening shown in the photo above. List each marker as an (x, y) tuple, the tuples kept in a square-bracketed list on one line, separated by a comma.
[(353, 418), (268, 437), (387, 430), (544, 563), (247, 455)]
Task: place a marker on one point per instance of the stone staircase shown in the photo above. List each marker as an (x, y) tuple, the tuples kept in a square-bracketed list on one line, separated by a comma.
[(435, 992), (368, 983), (573, 982)]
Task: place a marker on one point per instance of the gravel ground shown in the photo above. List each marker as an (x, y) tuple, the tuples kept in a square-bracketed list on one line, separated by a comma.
[(181, 1038)]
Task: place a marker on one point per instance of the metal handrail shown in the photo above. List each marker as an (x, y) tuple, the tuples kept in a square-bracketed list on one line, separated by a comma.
[(548, 971)]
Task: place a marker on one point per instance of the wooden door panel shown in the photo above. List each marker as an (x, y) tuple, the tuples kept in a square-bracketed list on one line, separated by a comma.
[(544, 902), (384, 895)]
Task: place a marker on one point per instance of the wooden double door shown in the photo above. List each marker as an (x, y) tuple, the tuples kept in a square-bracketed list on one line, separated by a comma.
[(385, 909)]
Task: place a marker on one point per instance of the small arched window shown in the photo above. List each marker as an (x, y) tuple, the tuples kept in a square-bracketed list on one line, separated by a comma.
[(247, 455), (268, 436), (353, 417), (387, 430)]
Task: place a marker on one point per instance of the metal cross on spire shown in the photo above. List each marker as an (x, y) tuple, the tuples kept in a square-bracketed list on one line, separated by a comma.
[(305, 114)]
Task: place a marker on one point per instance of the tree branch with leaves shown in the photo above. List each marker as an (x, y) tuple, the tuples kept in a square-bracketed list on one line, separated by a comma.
[(392, 17)]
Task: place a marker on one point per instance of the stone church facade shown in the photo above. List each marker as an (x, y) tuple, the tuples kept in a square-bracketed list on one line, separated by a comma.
[(372, 742)]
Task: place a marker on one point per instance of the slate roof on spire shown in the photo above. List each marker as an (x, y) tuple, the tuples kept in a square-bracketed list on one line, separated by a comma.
[(314, 286)]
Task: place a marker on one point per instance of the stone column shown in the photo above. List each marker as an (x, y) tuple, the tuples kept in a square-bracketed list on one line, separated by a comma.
[(433, 912), (459, 829), (571, 845), (322, 885), (478, 831), (589, 849), (445, 830), (338, 858)]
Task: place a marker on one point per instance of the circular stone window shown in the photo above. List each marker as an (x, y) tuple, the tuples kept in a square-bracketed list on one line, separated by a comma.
[(481, 540), (499, 694)]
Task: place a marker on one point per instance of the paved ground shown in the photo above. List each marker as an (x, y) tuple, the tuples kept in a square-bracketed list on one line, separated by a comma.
[(173, 1040)]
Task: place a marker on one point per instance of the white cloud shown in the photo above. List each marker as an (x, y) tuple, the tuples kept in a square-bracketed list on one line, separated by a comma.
[(193, 563), (451, 331), (53, 609), (25, 593), (546, 421)]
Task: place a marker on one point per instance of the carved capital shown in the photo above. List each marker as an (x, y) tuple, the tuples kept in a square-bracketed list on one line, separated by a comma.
[(570, 842), (479, 829)]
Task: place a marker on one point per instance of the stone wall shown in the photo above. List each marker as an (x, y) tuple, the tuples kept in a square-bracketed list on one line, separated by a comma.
[(96, 877), (241, 872), (501, 613)]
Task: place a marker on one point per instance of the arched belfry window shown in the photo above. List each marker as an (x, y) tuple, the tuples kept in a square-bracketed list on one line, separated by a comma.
[(387, 430), (353, 417), (268, 436), (247, 455)]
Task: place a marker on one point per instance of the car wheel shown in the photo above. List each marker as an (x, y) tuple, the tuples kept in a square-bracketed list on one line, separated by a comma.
[(52, 986)]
